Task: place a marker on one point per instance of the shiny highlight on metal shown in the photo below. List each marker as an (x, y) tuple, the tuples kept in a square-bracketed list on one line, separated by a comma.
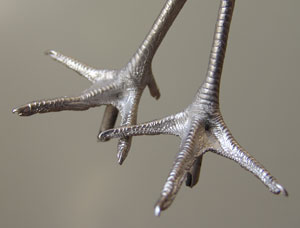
[(120, 90), (200, 126)]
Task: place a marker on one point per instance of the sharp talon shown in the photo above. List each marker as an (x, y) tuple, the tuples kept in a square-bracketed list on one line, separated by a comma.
[(18, 112), (285, 193), (200, 126), (99, 138), (121, 158), (104, 135), (24, 110), (123, 149), (282, 190), (157, 211), (102, 138), (50, 52), (157, 96), (122, 154)]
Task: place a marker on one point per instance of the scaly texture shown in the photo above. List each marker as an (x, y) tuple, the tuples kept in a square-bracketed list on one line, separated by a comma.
[(200, 126), (120, 90)]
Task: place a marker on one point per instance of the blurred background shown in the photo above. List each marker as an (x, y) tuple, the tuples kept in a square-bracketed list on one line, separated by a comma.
[(54, 173)]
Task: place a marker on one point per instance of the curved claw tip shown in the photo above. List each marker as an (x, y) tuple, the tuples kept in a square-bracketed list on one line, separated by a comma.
[(121, 158), (102, 136), (157, 211), (123, 149), (51, 53), (157, 96), (282, 190), (17, 111), (25, 110)]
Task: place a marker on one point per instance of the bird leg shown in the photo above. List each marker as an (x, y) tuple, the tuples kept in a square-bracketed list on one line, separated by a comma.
[(202, 129), (113, 87)]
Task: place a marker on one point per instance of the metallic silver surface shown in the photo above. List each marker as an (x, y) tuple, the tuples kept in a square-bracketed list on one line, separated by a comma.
[(119, 89), (200, 126)]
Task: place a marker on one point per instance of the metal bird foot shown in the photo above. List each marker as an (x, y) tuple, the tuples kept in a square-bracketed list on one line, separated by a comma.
[(200, 126), (120, 90)]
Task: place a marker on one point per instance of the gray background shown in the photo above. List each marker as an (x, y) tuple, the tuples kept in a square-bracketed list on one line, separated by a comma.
[(54, 173)]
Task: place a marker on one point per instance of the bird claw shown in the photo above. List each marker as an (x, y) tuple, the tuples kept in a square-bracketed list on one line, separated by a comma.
[(281, 190), (202, 129), (123, 149), (200, 126), (22, 110)]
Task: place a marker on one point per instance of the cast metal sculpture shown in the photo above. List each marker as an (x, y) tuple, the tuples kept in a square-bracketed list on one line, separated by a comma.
[(200, 126), (120, 90)]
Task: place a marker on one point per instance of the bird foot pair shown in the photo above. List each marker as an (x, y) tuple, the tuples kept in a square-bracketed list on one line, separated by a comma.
[(200, 126)]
